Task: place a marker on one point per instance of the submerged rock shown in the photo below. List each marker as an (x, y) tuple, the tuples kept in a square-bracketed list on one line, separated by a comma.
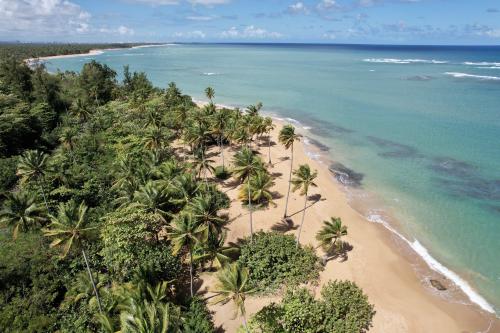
[(437, 284)]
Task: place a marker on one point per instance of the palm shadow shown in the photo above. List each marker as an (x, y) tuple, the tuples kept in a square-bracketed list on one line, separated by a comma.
[(315, 198), (284, 225), (343, 254)]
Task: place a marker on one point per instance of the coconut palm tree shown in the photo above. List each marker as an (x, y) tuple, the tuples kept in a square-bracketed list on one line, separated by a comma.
[(68, 138), (210, 93), (260, 183), (214, 250), (154, 198), (253, 110), (185, 232), (21, 211), (287, 137), (247, 164), (233, 286), (268, 128), (330, 236), (82, 290), (219, 125), (202, 164), (81, 110), (155, 138), (204, 208), (303, 179), (32, 167), (69, 231)]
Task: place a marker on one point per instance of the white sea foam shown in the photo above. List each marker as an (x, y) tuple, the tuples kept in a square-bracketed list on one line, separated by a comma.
[(293, 121), (210, 73), (482, 63), (472, 76), (307, 128), (435, 265), (404, 61)]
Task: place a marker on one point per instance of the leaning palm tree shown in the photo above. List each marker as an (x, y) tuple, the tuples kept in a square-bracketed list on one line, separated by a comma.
[(210, 93), (247, 164), (330, 236), (253, 110), (214, 250), (185, 232), (304, 178), (21, 211), (260, 184), (233, 286), (69, 231), (268, 128), (287, 137), (32, 167)]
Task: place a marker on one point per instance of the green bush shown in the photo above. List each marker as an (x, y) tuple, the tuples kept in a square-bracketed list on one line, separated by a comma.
[(7, 174), (274, 259), (222, 173), (343, 308), (130, 244), (197, 319)]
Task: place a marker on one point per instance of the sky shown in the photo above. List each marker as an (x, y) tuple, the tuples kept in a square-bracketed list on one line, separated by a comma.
[(462, 22)]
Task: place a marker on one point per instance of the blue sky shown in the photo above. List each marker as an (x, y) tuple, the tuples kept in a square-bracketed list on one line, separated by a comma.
[(318, 21)]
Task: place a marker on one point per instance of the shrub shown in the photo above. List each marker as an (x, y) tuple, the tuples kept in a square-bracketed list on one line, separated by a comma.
[(343, 309), (222, 173), (130, 244), (7, 174), (197, 318), (274, 259)]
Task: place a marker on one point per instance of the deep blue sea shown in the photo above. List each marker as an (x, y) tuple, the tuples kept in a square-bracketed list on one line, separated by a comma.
[(417, 129)]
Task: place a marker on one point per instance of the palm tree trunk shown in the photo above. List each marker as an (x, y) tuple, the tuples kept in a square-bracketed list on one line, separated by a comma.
[(191, 270), (302, 222), (221, 145), (269, 146), (289, 184), (92, 281), (43, 195), (245, 322), (250, 209)]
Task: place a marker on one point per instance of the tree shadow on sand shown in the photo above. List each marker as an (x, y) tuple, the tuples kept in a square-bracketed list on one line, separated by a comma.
[(333, 253), (284, 225)]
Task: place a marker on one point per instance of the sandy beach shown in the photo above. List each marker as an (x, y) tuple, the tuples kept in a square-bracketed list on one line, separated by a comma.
[(379, 262)]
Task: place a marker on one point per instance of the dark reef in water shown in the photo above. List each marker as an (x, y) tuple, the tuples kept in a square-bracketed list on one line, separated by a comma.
[(325, 128), (345, 175), (394, 149), (318, 144), (464, 180)]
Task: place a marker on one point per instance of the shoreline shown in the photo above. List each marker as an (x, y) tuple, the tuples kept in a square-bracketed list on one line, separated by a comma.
[(405, 300)]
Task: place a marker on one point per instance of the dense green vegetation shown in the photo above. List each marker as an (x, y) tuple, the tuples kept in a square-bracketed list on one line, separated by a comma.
[(36, 50), (343, 308), (111, 208)]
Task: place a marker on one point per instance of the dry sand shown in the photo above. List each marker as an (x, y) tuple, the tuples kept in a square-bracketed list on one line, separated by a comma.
[(404, 302)]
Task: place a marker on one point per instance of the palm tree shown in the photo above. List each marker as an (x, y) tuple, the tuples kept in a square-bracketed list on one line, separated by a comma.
[(215, 251), (68, 137), (31, 167), (253, 110), (287, 137), (21, 211), (268, 127), (330, 236), (219, 125), (202, 164), (82, 289), (185, 232), (204, 209), (247, 164), (233, 286), (68, 228), (155, 139), (303, 179), (210, 93), (260, 183), (81, 110), (154, 198)]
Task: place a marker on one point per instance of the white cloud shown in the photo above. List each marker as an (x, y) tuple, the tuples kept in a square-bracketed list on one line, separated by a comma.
[(327, 5), (156, 2), (121, 30), (42, 17), (494, 33), (298, 8), (196, 34), (329, 35), (201, 18), (250, 31), (209, 2)]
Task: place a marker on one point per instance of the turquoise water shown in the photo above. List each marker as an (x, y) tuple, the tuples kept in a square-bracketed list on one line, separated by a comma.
[(419, 125)]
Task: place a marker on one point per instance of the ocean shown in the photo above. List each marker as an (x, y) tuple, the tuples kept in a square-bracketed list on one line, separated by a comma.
[(414, 131)]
